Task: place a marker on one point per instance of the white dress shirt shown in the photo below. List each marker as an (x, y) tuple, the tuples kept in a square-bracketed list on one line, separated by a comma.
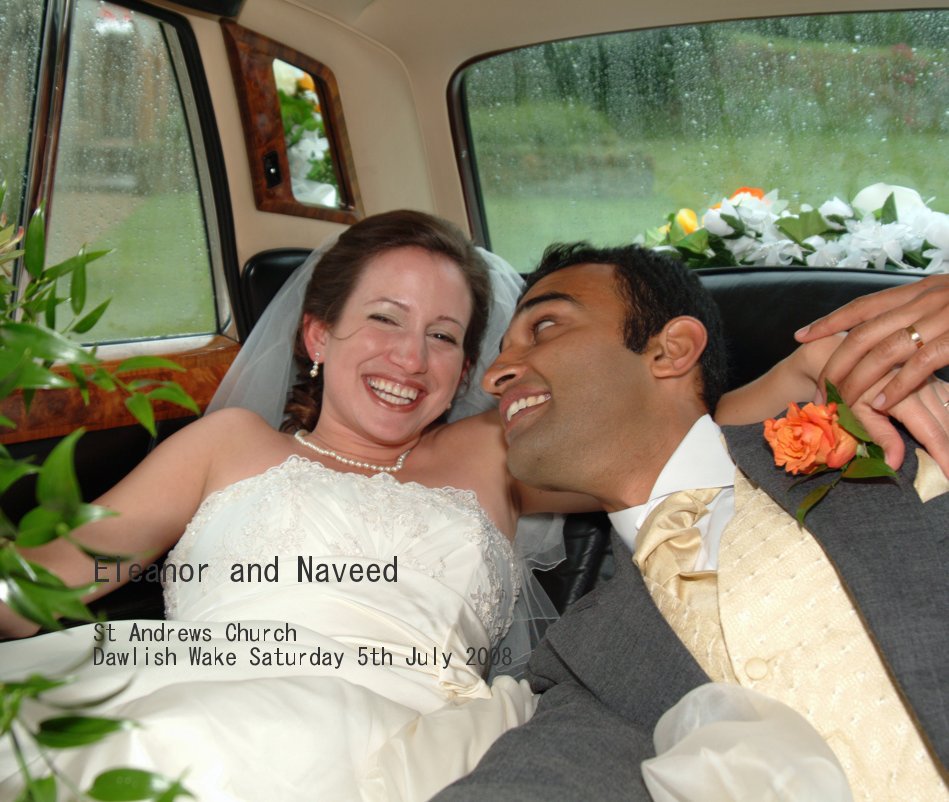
[(700, 461)]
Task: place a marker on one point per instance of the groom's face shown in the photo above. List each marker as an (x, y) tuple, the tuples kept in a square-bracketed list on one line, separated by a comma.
[(565, 380)]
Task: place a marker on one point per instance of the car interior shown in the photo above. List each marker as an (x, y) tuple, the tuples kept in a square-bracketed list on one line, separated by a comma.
[(212, 144)]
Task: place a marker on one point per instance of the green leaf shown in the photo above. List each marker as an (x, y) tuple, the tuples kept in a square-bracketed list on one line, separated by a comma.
[(811, 475), (22, 603), (39, 790), (81, 382), (848, 420), (735, 222), (833, 394), (177, 790), (10, 256), (12, 471), (36, 684), (128, 785), (654, 237), (44, 344), (888, 212), (11, 698), (146, 363), (696, 242), (88, 513), (69, 265), (175, 393), (810, 500), (40, 525), (92, 318), (77, 287), (916, 258), (845, 416), (52, 302), (804, 225), (57, 486), (61, 269), (64, 732), (48, 601), (102, 378), (866, 468), (35, 244), (141, 408), (875, 451), (33, 376)]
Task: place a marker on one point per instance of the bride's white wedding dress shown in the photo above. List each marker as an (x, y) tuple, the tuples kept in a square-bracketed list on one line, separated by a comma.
[(395, 706)]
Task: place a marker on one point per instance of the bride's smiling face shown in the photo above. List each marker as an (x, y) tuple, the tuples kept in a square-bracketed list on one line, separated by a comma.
[(393, 361)]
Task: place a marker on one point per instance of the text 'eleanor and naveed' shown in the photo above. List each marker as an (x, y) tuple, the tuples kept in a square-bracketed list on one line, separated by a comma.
[(308, 569)]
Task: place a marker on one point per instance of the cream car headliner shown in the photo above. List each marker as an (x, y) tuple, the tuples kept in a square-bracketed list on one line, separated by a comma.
[(394, 61)]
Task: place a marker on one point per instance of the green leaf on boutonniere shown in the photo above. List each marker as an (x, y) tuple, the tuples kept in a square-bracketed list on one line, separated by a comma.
[(867, 468), (874, 450), (811, 475), (845, 417), (810, 500)]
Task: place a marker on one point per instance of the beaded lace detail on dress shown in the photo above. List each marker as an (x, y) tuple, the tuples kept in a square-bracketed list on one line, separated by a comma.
[(303, 508)]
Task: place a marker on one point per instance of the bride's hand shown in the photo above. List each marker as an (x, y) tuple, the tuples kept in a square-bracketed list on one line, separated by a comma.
[(902, 332), (924, 412)]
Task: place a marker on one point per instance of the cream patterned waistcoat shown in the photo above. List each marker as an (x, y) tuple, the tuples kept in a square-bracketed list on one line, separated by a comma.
[(789, 629)]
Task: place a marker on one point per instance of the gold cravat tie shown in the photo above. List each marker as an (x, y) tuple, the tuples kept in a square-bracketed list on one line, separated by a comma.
[(668, 545)]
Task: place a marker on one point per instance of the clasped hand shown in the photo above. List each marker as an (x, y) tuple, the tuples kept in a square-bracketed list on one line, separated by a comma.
[(898, 338)]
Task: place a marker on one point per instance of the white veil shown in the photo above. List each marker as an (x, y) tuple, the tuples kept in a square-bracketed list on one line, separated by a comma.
[(265, 363)]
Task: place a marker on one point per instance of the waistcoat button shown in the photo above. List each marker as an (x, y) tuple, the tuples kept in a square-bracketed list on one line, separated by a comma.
[(756, 668)]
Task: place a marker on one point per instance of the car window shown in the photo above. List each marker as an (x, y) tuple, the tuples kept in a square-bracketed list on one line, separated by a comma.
[(119, 160), (20, 28), (603, 137)]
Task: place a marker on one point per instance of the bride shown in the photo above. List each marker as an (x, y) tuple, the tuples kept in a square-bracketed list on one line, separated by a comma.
[(342, 590), (336, 594)]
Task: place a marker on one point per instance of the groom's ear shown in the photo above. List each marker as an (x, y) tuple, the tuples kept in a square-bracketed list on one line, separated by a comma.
[(315, 335), (678, 347)]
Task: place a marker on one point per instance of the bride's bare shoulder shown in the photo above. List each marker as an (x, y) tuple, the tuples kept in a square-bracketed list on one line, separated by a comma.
[(233, 416), (227, 434), (475, 432)]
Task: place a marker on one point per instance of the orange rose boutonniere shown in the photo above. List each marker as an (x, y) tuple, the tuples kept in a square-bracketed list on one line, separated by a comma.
[(817, 438)]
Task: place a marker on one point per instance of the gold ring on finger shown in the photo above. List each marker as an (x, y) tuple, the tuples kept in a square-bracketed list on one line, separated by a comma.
[(915, 336)]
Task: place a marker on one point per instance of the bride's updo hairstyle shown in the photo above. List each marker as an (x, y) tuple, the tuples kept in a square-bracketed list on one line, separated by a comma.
[(337, 273)]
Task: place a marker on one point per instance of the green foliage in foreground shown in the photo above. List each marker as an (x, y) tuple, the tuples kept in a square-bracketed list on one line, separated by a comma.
[(34, 337)]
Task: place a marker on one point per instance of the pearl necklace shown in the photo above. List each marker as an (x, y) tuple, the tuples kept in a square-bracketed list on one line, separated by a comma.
[(300, 437)]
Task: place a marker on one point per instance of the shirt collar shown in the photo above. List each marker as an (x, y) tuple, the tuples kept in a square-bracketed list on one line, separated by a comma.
[(700, 461)]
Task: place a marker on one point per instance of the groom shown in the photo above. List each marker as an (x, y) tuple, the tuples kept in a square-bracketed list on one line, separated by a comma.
[(846, 622)]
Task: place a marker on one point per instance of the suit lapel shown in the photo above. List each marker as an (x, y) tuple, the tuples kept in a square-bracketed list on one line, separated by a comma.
[(889, 550), (616, 643)]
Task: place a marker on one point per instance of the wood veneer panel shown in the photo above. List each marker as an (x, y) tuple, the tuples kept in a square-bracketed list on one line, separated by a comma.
[(57, 412)]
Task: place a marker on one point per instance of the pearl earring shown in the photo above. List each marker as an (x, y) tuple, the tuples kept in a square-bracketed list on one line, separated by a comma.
[(315, 370)]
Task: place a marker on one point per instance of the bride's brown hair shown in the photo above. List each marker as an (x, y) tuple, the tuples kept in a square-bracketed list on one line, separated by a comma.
[(336, 274)]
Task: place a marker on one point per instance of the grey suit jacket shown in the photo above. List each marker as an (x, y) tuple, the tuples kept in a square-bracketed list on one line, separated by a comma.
[(612, 666)]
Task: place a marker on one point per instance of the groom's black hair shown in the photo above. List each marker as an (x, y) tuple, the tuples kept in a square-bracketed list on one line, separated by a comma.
[(655, 289)]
